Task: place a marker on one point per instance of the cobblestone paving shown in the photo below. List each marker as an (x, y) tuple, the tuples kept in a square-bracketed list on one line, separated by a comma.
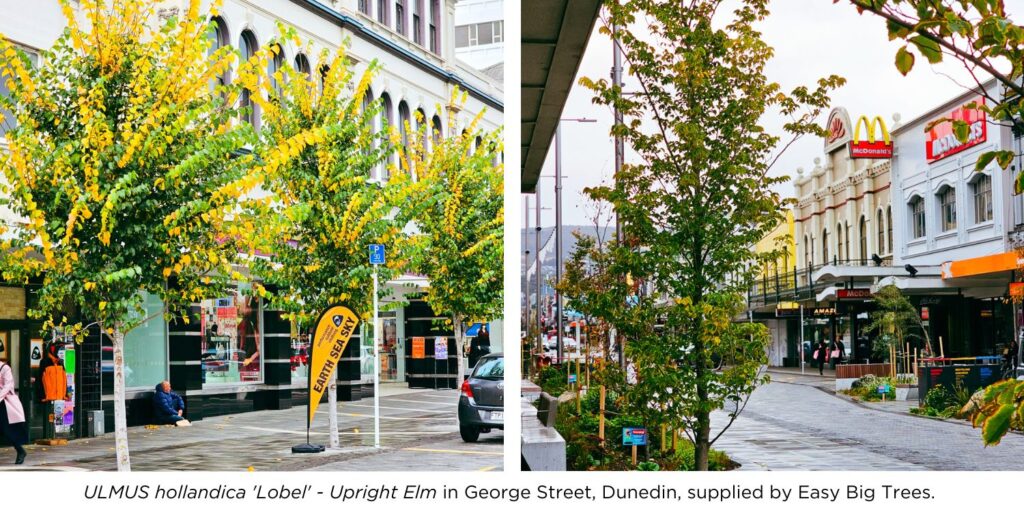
[(792, 424), (419, 431)]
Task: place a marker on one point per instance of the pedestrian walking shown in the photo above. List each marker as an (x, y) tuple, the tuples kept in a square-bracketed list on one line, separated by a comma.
[(842, 351), (820, 354), (12, 414)]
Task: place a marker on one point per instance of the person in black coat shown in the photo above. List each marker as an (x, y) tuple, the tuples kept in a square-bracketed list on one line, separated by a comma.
[(820, 352), (479, 347)]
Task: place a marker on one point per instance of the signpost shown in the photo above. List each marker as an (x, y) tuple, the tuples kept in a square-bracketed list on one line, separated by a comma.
[(376, 259), (634, 436)]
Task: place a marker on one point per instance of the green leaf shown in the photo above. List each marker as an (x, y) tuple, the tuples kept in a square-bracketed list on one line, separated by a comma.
[(985, 159), (1004, 158), (904, 60), (962, 130), (997, 425), (930, 49)]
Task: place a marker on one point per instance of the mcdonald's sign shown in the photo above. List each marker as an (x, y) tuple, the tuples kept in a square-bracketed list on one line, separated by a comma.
[(940, 141), (872, 147)]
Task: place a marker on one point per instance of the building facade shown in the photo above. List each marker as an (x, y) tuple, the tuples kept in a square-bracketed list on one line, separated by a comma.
[(480, 35), (955, 225), (235, 355)]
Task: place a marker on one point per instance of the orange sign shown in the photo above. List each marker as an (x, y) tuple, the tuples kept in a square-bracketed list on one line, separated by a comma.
[(333, 330), (981, 265), (419, 350)]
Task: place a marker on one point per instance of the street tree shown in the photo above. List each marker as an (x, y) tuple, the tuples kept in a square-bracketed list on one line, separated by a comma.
[(330, 199), (697, 199), (896, 323), (981, 36), (124, 167), (460, 232)]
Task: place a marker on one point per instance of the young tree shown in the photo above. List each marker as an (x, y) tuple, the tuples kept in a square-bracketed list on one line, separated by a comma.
[(461, 230), (124, 166), (699, 197), (896, 322)]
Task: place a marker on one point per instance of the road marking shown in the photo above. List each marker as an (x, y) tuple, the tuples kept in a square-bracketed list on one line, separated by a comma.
[(413, 418), (488, 468), (449, 402), (398, 408), (460, 452), (370, 433)]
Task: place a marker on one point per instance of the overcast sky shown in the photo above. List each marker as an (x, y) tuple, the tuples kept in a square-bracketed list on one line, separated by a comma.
[(812, 39)]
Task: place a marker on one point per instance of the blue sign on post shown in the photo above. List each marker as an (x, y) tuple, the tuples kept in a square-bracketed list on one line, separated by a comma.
[(572, 378), (634, 436), (376, 254)]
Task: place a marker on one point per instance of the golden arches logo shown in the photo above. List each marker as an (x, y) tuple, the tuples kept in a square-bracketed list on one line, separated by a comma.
[(872, 147), (870, 126)]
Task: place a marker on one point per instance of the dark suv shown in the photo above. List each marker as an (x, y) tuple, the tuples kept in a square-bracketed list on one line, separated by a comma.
[(482, 400)]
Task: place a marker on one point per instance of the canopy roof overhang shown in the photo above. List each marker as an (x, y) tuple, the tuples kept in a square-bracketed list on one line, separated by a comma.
[(554, 38)]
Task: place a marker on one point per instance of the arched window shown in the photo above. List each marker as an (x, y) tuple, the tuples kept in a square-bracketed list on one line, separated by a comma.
[(846, 239), (947, 208), (302, 65), (437, 129), (917, 218), (404, 123), (385, 126), (881, 232), (863, 240), (219, 38), (824, 246), (839, 240), (888, 218), (324, 70), (247, 46), (422, 124), (276, 64)]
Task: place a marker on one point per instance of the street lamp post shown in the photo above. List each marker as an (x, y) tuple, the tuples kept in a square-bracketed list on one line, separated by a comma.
[(558, 229)]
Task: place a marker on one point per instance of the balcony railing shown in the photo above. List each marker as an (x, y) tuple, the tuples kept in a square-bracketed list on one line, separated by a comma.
[(797, 284)]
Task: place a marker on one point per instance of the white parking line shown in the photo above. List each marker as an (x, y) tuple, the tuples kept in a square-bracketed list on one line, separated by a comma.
[(368, 433), (387, 407)]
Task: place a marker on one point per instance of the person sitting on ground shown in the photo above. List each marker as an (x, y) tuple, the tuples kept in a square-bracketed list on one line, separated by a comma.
[(168, 407)]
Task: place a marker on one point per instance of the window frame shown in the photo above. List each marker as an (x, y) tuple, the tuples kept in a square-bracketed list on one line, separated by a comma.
[(982, 199), (947, 209)]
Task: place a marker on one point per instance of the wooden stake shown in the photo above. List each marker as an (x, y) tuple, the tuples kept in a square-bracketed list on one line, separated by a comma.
[(664, 430), (600, 424), (579, 405), (942, 351), (634, 455), (675, 440)]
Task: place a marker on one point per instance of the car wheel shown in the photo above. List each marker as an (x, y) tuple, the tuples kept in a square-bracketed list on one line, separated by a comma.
[(469, 434)]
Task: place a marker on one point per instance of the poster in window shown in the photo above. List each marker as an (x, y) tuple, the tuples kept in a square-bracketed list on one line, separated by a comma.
[(4, 341), (36, 352)]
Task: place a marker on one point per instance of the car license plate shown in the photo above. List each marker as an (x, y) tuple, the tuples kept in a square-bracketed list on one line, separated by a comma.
[(497, 416)]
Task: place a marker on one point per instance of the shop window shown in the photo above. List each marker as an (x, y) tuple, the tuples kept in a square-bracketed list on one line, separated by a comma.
[(7, 121), (232, 339), (947, 208), (301, 338), (982, 188), (917, 217), (145, 348)]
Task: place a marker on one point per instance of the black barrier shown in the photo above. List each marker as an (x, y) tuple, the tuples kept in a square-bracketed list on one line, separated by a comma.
[(971, 377)]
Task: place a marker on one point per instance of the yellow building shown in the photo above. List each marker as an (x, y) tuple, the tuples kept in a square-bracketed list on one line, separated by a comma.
[(783, 236)]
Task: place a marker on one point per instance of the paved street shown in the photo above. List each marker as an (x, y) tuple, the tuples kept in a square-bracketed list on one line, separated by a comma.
[(792, 424), (419, 432)]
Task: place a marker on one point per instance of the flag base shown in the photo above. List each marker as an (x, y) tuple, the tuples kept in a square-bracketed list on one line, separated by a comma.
[(307, 448)]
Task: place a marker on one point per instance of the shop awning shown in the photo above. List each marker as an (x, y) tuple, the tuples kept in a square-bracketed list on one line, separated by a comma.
[(981, 265)]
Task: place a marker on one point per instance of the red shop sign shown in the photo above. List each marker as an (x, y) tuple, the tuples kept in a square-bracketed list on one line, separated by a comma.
[(940, 141)]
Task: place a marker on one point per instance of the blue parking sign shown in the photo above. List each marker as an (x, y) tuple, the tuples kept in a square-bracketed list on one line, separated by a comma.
[(376, 254)]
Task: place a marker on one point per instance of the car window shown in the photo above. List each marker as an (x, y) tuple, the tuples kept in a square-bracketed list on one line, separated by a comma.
[(490, 369)]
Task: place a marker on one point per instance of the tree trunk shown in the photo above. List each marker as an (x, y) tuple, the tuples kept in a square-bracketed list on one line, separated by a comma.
[(332, 401), (120, 417), (460, 352), (702, 441)]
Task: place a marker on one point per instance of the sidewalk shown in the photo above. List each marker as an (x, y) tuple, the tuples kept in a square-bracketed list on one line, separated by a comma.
[(419, 431)]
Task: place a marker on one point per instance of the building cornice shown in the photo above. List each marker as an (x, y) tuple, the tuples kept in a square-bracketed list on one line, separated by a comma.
[(345, 21)]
